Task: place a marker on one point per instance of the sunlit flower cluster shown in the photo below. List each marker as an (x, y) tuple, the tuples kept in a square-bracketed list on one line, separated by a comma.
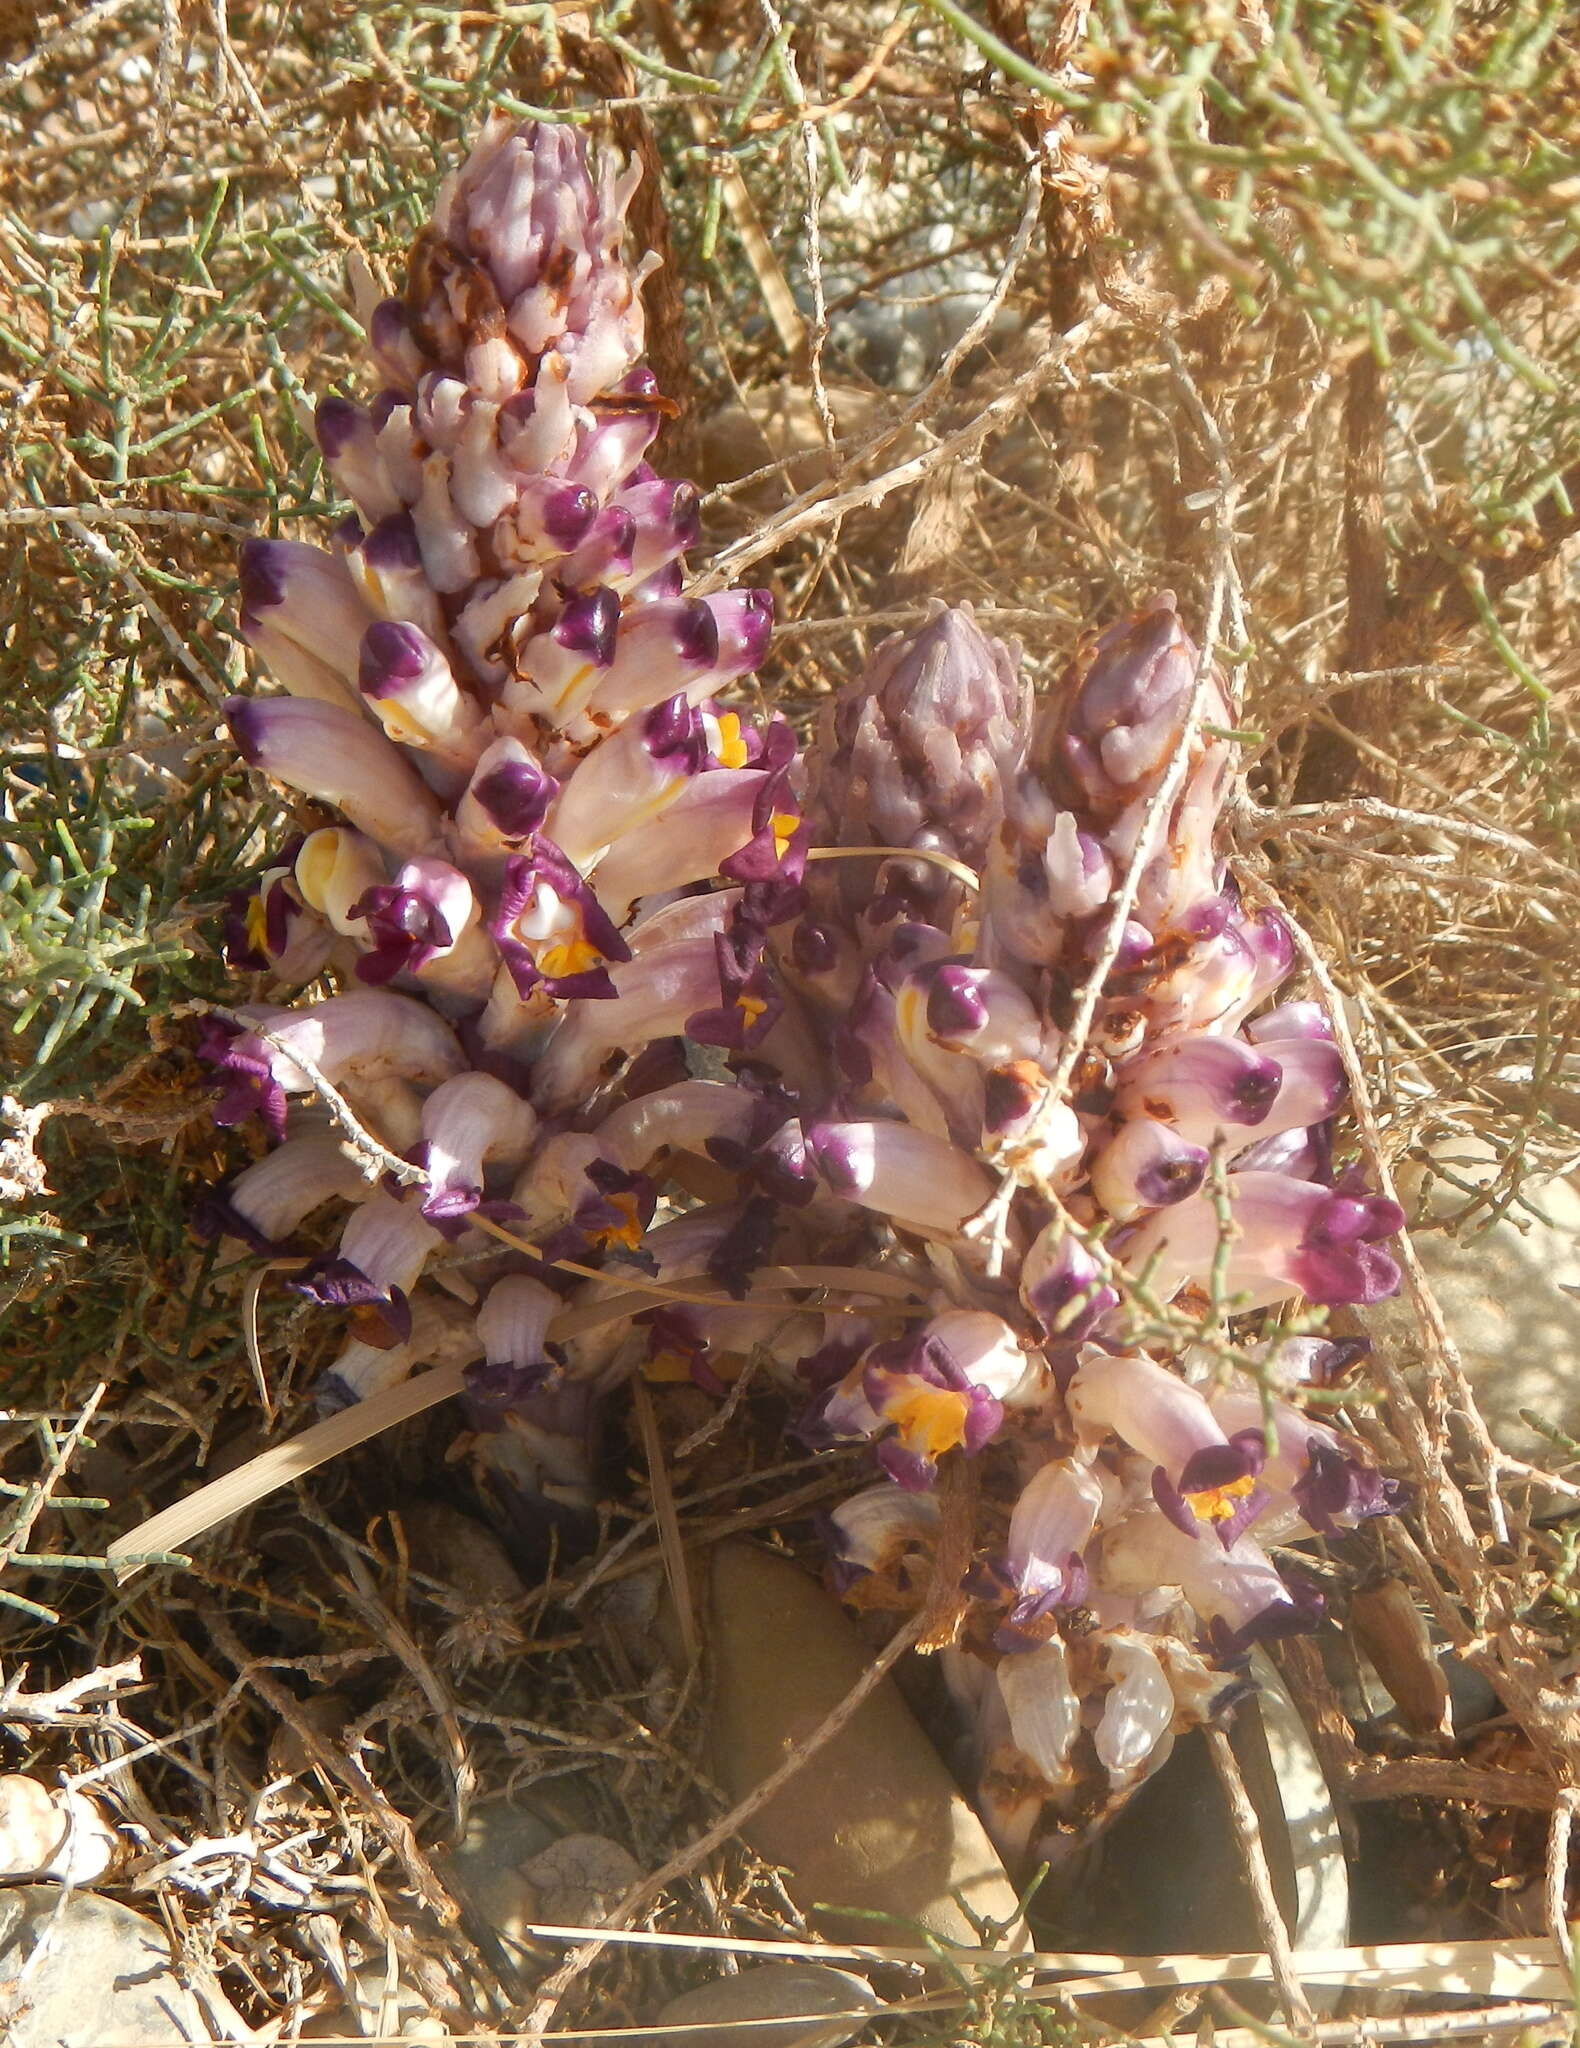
[(791, 1049)]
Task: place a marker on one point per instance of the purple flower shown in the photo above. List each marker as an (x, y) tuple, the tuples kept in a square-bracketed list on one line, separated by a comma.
[(750, 1001), (939, 1389), (469, 1123), (1049, 1529), (365, 1038), (1292, 1237), (551, 930), (424, 912), (1062, 1285), (917, 1179), (336, 756)]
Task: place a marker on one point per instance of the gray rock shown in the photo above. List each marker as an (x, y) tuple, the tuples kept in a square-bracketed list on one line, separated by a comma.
[(1501, 1286), (77, 1971), (1195, 1897), (372, 2007), (791, 1991), (484, 1869), (1300, 1824), (873, 1820)]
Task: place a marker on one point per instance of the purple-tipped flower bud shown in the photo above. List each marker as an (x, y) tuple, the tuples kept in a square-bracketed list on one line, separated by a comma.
[(917, 1179), (387, 566), (605, 554), (1201, 1084), (549, 518), (506, 800), (1291, 1238), (667, 516), (1062, 1285), (409, 685), (1146, 1165), (610, 448), (340, 759), (659, 649), (915, 753), (556, 671), (395, 348), (301, 610), (1049, 1528), (348, 441), (630, 778)]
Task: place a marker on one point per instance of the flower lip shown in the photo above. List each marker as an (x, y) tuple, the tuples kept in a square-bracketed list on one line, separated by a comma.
[(674, 735), (1297, 1614), (697, 635), (336, 423), (685, 513), (569, 955), (393, 653), (956, 1005), (407, 926), (516, 796), (393, 545), (380, 1316), (248, 720), (1337, 1483), (263, 567), (589, 625), (568, 514), (243, 1080)]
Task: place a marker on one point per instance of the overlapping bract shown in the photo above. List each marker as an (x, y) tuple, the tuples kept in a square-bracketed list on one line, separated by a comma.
[(590, 985)]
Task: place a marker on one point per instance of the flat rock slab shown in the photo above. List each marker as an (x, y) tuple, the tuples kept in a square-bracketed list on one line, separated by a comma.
[(873, 1819), (797, 1994), (1502, 1288), (78, 1971)]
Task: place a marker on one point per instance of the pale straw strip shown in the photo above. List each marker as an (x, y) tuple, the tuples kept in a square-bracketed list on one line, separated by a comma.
[(1449, 1969), (947, 861), (173, 1528), (1530, 1968), (1424, 2028)]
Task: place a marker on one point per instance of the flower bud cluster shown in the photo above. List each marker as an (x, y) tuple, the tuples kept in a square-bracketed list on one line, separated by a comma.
[(1129, 1487), (588, 985)]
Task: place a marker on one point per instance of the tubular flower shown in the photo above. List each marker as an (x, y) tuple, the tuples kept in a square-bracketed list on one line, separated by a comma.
[(651, 1006), (499, 684)]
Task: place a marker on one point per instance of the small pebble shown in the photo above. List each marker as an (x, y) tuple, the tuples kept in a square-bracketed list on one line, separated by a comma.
[(580, 1877), (56, 1833), (790, 1992)]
